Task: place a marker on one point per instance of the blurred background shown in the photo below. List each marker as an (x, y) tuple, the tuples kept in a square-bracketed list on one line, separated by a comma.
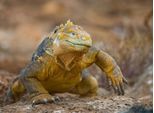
[(123, 28)]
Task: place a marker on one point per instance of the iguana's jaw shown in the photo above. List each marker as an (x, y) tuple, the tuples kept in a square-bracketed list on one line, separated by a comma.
[(69, 46), (77, 44)]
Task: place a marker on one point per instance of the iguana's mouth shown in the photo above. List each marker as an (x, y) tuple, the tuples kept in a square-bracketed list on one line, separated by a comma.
[(78, 44)]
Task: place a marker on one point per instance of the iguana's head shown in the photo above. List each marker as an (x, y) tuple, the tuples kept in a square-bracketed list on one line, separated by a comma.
[(70, 38)]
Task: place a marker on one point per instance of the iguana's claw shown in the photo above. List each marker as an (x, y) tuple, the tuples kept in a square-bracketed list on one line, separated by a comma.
[(117, 83), (44, 99)]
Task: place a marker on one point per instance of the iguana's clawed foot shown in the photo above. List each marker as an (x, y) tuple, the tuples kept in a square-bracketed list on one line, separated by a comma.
[(44, 99), (117, 83)]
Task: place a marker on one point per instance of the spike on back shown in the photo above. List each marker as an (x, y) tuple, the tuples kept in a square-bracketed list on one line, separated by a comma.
[(69, 23)]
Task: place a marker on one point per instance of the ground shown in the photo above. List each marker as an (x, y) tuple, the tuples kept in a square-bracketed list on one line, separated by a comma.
[(74, 104)]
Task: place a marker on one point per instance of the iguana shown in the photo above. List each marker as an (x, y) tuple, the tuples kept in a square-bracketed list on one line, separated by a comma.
[(58, 65)]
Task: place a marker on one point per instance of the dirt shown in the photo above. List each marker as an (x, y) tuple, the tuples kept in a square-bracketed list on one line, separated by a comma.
[(74, 104)]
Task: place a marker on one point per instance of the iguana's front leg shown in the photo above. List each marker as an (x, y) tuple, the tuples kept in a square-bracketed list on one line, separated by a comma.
[(31, 77), (112, 71)]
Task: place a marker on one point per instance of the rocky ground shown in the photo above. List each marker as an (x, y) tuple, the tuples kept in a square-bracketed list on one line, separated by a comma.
[(73, 104)]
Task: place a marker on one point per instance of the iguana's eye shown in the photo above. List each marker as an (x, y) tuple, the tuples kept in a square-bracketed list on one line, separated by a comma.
[(72, 35)]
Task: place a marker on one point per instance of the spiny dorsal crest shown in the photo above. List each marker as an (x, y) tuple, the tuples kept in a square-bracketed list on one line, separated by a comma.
[(66, 25)]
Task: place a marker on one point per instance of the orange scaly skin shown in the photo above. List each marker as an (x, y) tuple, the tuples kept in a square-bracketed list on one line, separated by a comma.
[(58, 65)]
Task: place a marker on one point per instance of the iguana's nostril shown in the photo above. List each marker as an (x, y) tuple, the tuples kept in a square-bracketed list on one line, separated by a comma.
[(83, 38)]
